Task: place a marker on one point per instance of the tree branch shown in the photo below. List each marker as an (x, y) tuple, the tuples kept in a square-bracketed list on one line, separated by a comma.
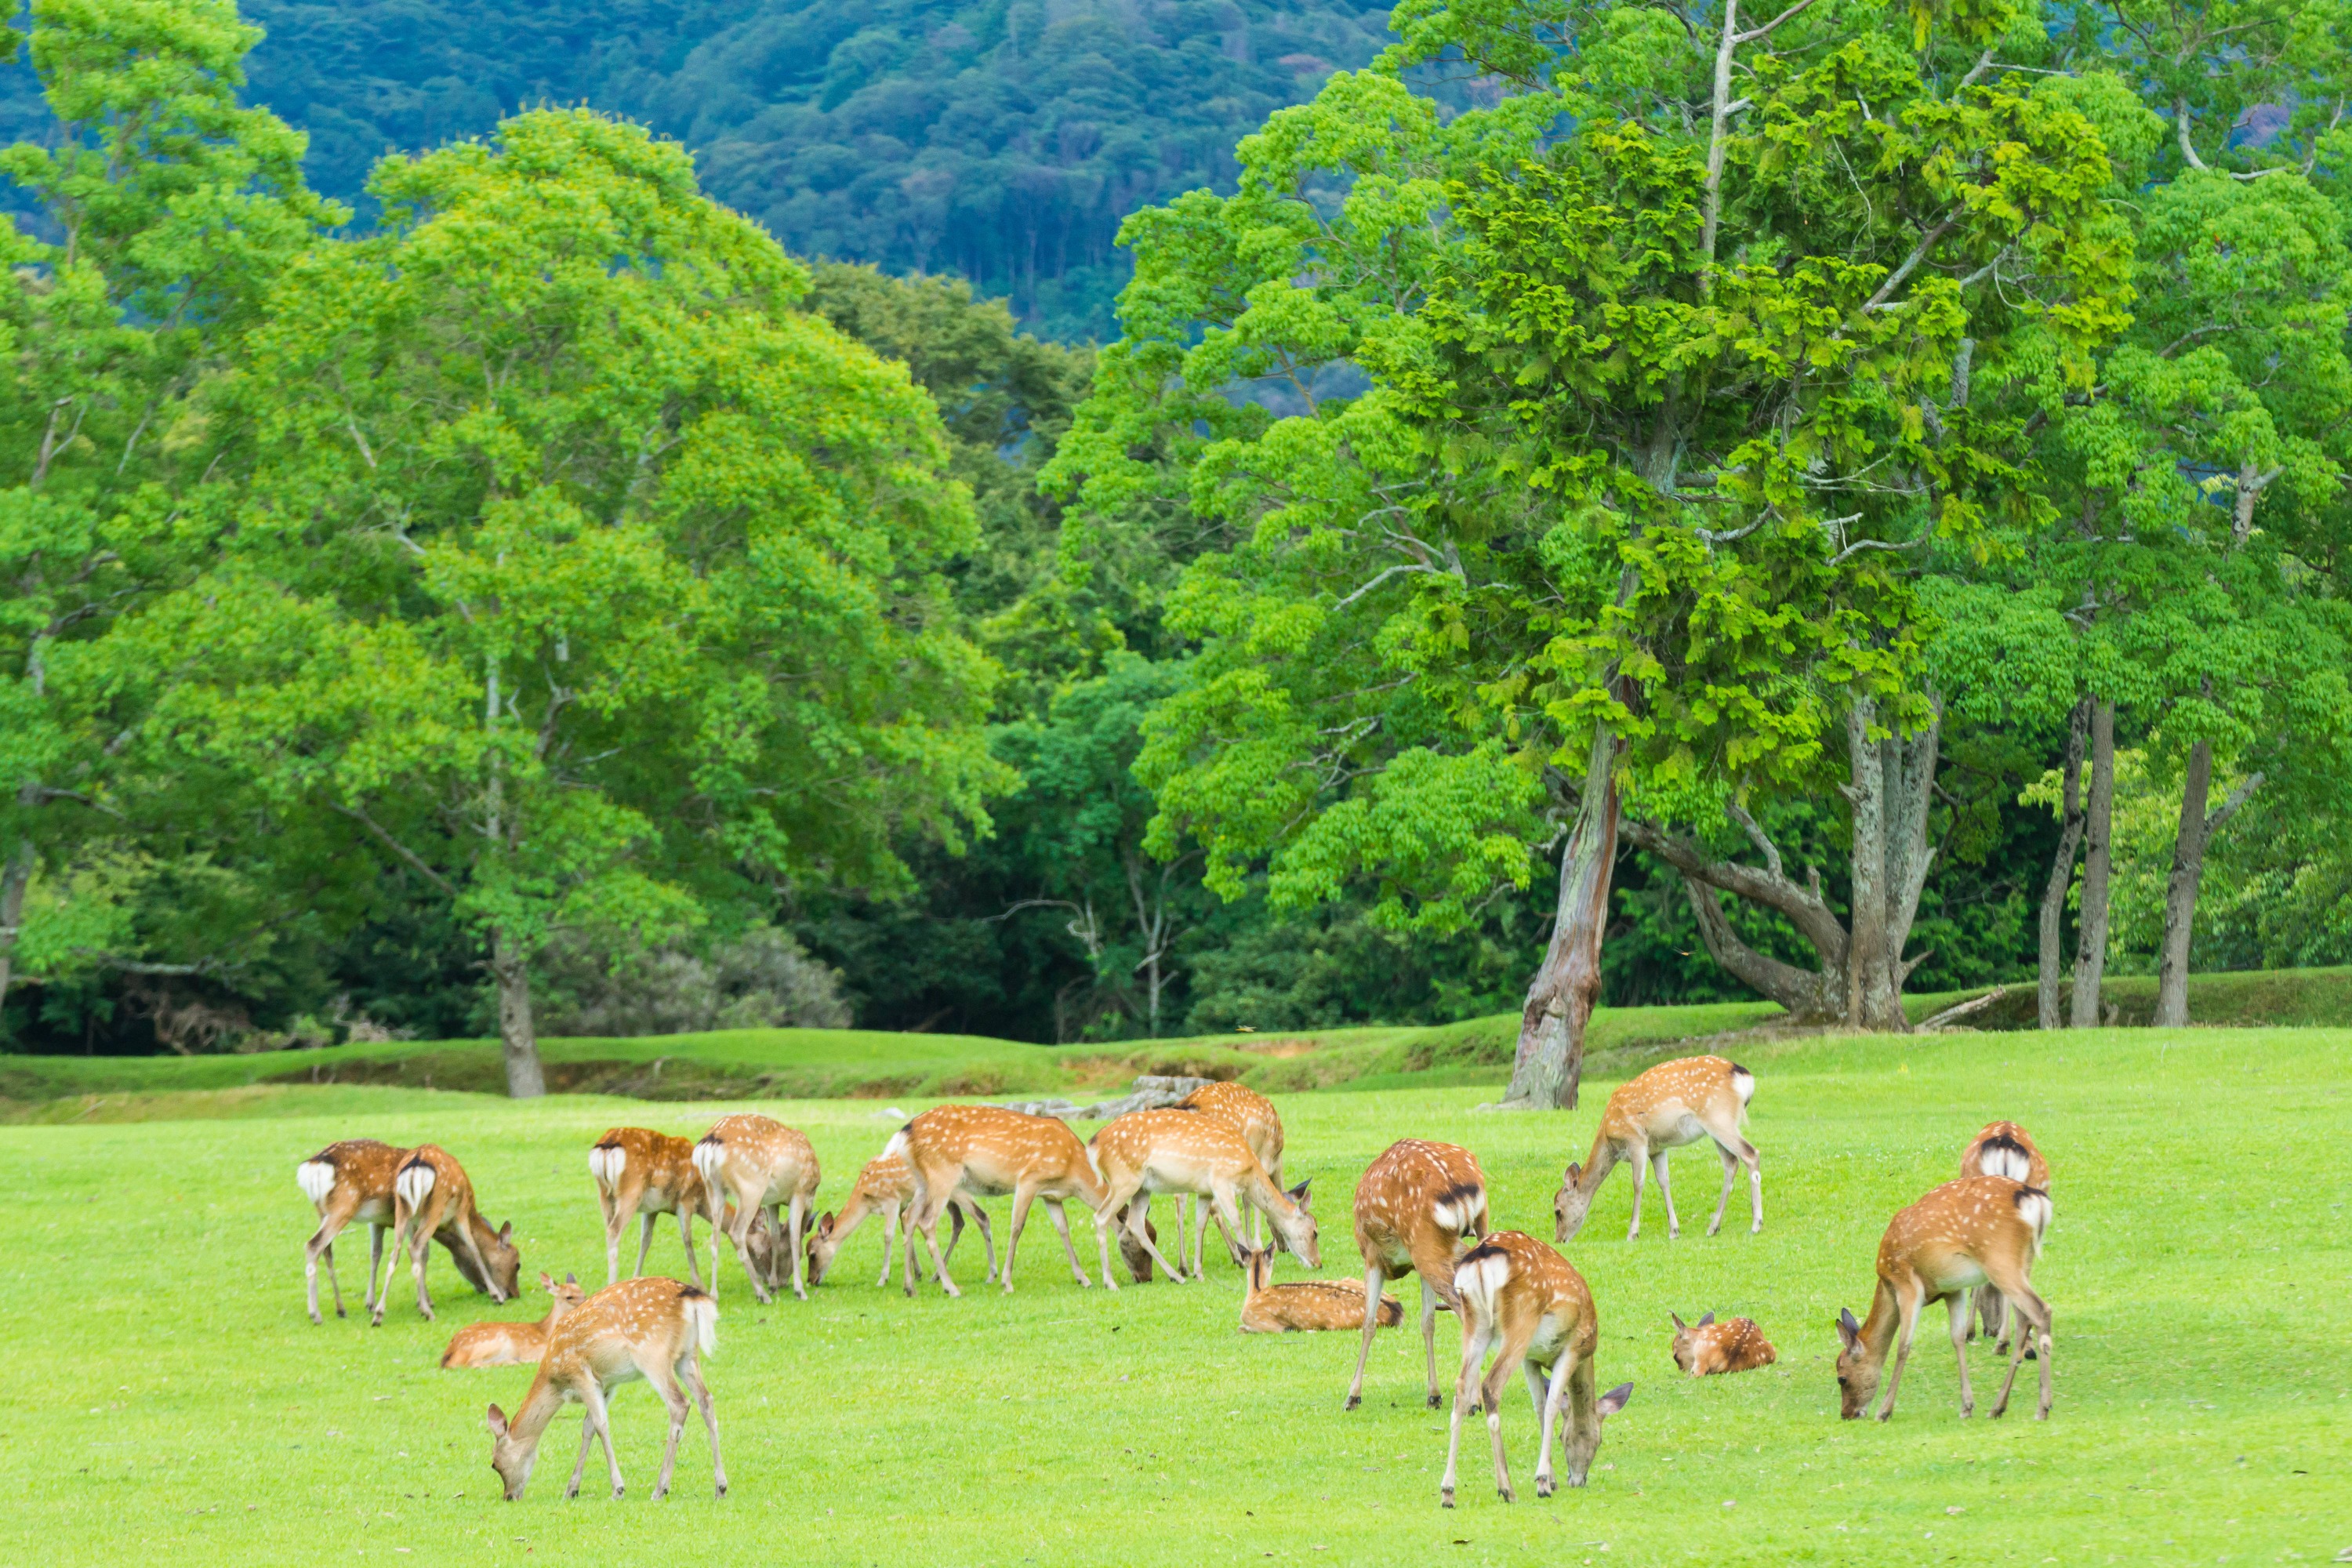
[(416, 861)]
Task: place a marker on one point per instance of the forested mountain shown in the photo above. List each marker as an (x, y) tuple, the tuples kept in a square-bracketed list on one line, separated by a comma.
[(1000, 140)]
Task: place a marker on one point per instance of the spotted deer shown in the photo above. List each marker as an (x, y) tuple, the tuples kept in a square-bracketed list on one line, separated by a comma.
[(1672, 1104), (641, 1172), (433, 1201), (347, 1183), (1186, 1152), (986, 1151), (512, 1344), (1976, 1230), (762, 1167), (1309, 1306), (655, 1329), (887, 1186), (1413, 1206), (2002, 1149), (1253, 1116), (1708, 1348), (1527, 1303)]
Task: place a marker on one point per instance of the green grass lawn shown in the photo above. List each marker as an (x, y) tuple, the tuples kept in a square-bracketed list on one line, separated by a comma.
[(167, 1393)]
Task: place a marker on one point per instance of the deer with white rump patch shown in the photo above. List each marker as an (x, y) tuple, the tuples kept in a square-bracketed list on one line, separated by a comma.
[(1672, 1104), (1413, 1206), (512, 1344), (1976, 1230), (887, 1186), (1528, 1304), (986, 1151), (764, 1169), (433, 1201), (641, 1172), (347, 1183), (655, 1328), (2002, 1149), (1186, 1152)]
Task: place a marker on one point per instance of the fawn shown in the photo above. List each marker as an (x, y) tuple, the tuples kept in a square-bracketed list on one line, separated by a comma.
[(512, 1344), (1706, 1347), (1309, 1306)]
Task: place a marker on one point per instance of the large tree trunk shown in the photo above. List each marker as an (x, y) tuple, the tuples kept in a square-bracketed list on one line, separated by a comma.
[(2062, 870), (510, 968), (1550, 1058), (2196, 831), (2091, 920), (15, 877)]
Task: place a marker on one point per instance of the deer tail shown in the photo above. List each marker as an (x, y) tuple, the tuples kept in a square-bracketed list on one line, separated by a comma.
[(316, 1177), (702, 1317), (414, 1183), (708, 1155), (606, 1161)]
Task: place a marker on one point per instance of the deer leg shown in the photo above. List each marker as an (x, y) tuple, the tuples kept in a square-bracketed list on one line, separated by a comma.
[(1666, 1195), (482, 1266), (1135, 1220), (321, 1243), (645, 1244), (1547, 1391), (673, 1398), (580, 1466), (1730, 1175), (889, 1241), (420, 1250), (686, 1236), (1959, 1305), (1909, 1304), (1641, 1163), (1755, 1164), (2034, 1323), (1473, 1351), (391, 1266), (691, 1371), (1374, 1277), (1490, 1396), (1229, 1220), (747, 1214), (591, 1394), (613, 1225), (1061, 1218), (987, 1238), (955, 1231), (1429, 1299), (376, 1265), (798, 1213)]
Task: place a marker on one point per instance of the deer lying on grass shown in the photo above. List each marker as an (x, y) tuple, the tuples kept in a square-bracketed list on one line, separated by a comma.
[(1253, 1116), (1414, 1204), (347, 1181), (887, 1185), (641, 1172), (433, 1201), (986, 1151), (2002, 1149), (1708, 1349), (1672, 1104), (512, 1344), (763, 1168), (1525, 1302), (1965, 1234), (653, 1329), (1186, 1151), (1309, 1306)]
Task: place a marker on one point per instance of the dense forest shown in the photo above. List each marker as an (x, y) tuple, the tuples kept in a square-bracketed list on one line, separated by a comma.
[(1536, 531)]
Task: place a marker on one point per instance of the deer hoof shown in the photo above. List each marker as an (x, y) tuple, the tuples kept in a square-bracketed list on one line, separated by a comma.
[(1886, 1415), (617, 1492), (1544, 1487), (1437, 1402), (1445, 1498), (1354, 1400), (1504, 1493)]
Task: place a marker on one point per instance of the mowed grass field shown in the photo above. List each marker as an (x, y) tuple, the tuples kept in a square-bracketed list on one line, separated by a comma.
[(168, 1398)]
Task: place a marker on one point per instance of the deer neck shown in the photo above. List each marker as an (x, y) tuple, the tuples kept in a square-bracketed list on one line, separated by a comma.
[(1878, 1329), (1606, 1156), (539, 1408)]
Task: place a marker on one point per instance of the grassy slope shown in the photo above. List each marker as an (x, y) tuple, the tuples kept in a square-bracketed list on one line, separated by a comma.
[(833, 1062), (179, 1402)]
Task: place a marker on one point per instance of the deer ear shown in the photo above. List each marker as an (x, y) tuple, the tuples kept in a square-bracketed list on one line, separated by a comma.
[(546, 1282), (1705, 1320), (1848, 1329), (1614, 1400), (1298, 1193), (505, 1231), (1574, 1171), (571, 1278), (498, 1422), (1680, 1327)]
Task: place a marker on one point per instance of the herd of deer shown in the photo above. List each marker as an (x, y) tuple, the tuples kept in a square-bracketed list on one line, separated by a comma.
[(1421, 1208)]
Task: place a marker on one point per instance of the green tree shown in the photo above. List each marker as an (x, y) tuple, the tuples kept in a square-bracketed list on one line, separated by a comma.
[(1659, 412), (582, 572)]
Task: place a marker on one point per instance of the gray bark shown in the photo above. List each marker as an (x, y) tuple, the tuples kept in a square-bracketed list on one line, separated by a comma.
[(511, 969), (1550, 1061), (2091, 921), (2061, 869), (14, 879), (2196, 831)]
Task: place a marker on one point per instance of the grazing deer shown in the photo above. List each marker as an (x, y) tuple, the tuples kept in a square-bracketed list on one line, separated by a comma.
[(433, 1201), (2002, 1149), (1414, 1204), (760, 1166), (887, 1186), (1309, 1306), (654, 1328), (1965, 1234), (1188, 1153), (1253, 1116), (1706, 1347), (1525, 1302), (986, 1151), (1672, 1104), (347, 1181), (512, 1344), (641, 1172)]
